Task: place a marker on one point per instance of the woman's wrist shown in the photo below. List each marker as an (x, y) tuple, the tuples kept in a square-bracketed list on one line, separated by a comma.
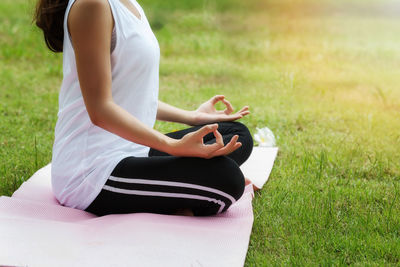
[(170, 145), (188, 117), (191, 118)]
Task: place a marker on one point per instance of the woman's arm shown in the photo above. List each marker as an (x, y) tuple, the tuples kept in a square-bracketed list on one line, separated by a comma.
[(166, 112), (90, 24), (206, 113)]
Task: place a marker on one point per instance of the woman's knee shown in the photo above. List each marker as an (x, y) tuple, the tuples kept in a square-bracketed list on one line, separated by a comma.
[(243, 132), (230, 176), (244, 152), (229, 179)]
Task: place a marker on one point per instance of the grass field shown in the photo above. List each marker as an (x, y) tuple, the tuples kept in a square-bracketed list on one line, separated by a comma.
[(324, 75)]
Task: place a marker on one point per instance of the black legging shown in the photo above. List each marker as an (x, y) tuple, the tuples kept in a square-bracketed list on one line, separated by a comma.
[(163, 184)]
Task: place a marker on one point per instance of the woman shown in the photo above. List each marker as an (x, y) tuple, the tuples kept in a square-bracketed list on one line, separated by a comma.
[(107, 158)]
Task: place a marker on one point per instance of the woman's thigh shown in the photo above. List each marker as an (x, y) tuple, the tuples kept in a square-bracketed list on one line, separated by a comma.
[(164, 184)]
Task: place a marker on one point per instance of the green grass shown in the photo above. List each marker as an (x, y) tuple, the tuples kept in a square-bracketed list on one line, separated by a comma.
[(323, 75)]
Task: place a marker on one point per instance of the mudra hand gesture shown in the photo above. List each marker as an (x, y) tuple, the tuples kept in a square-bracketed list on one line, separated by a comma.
[(207, 113), (192, 144)]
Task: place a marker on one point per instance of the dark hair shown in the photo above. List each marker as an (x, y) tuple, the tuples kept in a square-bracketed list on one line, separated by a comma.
[(49, 16)]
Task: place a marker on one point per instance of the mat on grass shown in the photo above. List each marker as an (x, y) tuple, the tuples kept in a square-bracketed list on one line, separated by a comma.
[(35, 230)]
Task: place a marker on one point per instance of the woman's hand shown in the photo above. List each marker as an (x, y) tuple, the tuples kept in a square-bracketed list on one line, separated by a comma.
[(207, 113), (192, 145)]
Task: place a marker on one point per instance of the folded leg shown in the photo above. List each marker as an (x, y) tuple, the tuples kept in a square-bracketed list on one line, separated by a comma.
[(165, 184)]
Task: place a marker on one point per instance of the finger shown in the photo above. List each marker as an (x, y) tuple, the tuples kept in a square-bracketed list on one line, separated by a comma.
[(217, 145), (235, 146), (209, 150), (218, 138), (230, 147), (245, 108), (200, 133), (237, 115), (233, 141), (229, 107), (230, 117), (226, 151), (216, 99), (245, 113)]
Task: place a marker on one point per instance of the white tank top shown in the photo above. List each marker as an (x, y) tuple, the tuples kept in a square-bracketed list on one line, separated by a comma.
[(84, 155)]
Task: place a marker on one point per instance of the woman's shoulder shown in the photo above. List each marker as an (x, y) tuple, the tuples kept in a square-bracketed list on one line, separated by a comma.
[(90, 10), (91, 5), (86, 16)]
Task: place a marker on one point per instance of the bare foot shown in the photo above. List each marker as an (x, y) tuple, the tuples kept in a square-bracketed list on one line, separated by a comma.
[(184, 212), (247, 182)]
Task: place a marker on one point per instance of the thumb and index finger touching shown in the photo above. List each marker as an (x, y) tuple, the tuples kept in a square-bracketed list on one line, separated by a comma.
[(218, 98), (210, 148), (206, 130), (229, 108), (218, 148)]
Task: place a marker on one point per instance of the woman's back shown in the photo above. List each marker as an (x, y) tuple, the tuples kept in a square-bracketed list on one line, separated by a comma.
[(84, 154)]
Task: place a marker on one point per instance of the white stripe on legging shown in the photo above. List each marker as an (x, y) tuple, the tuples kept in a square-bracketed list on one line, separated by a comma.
[(164, 194), (178, 184)]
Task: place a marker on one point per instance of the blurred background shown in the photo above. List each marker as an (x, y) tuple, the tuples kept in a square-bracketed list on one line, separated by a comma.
[(323, 75)]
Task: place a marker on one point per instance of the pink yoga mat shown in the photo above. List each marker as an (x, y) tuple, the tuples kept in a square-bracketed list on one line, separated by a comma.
[(36, 231)]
